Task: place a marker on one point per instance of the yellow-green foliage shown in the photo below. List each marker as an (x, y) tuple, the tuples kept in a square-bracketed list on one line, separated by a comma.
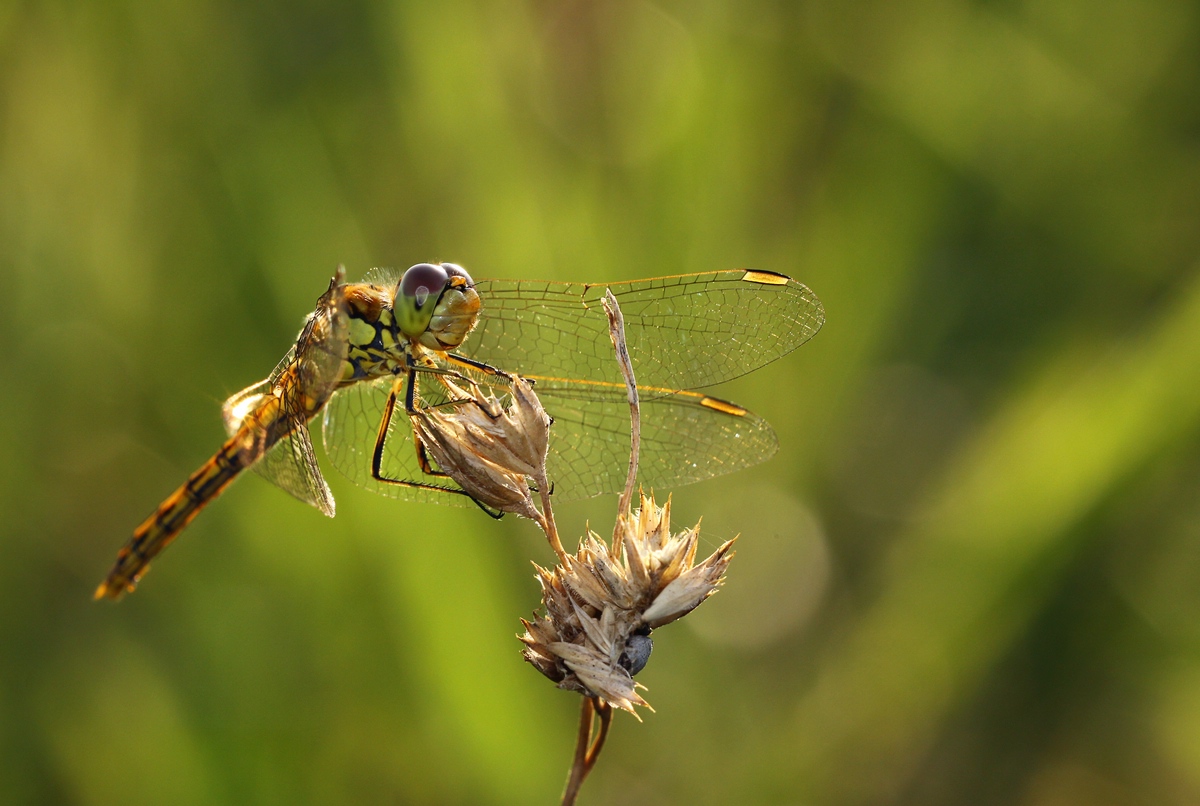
[(971, 574)]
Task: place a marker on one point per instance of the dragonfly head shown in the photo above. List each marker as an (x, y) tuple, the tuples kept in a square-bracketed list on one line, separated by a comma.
[(436, 304)]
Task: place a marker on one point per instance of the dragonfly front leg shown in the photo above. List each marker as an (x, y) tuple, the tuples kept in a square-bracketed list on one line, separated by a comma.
[(423, 458), (446, 377), (385, 425), (486, 369), (410, 405), (407, 385)]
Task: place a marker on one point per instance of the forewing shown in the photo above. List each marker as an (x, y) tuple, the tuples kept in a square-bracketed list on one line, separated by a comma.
[(300, 383), (290, 462), (320, 348), (684, 332)]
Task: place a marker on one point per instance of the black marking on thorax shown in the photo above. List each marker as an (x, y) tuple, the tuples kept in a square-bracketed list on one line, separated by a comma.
[(377, 347)]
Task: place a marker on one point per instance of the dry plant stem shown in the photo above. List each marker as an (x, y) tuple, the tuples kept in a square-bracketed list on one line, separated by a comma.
[(580, 767), (588, 744), (547, 523), (616, 330), (605, 712)]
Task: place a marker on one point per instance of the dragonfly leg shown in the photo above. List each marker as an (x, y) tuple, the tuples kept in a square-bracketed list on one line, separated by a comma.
[(423, 458), (385, 424), (410, 405), (381, 436), (494, 514), (444, 376), (486, 369)]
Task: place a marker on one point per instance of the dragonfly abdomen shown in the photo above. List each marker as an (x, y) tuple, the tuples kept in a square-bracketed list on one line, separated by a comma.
[(257, 419), (177, 511)]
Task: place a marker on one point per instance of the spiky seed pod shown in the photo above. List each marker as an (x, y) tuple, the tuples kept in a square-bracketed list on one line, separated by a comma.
[(601, 603), (490, 450)]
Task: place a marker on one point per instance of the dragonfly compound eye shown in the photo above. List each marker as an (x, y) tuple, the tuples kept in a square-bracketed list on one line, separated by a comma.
[(455, 271), (420, 289), (455, 313)]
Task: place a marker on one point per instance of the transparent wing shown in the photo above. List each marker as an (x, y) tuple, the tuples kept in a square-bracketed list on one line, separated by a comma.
[(319, 351), (287, 459), (351, 428), (291, 464), (686, 437), (684, 332), (277, 410)]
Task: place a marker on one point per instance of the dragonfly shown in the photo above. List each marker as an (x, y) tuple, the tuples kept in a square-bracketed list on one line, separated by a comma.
[(374, 352)]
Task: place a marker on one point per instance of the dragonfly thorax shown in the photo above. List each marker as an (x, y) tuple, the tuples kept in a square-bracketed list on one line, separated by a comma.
[(376, 346)]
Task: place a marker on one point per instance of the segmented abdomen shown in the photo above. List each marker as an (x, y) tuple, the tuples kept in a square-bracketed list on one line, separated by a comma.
[(176, 512)]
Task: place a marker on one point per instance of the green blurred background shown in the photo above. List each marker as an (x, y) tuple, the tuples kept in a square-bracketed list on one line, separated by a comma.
[(970, 576)]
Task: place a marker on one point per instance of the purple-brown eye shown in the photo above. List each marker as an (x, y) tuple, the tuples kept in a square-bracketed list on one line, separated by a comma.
[(420, 289), (455, 270)]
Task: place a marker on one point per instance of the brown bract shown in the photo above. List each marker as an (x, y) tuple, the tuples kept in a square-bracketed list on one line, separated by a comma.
[(602, 602), (491, 451)]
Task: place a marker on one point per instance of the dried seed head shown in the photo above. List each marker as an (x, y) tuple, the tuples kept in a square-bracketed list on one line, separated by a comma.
[(489, 449), (602, 602)]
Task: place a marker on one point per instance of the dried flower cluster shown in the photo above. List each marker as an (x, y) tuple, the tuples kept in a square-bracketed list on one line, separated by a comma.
[(494, 452), (601, 604), (490, 449)]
